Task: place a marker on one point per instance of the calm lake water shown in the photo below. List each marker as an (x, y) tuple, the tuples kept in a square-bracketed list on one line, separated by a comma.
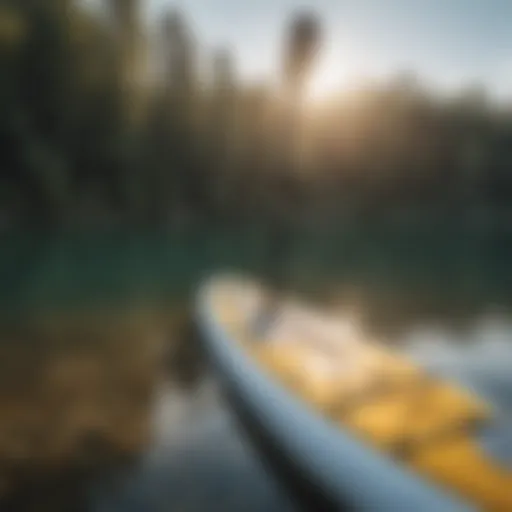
[(106, 404)]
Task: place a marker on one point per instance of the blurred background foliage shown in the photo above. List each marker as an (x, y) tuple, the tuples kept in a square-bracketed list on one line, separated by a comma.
[(107, 121)]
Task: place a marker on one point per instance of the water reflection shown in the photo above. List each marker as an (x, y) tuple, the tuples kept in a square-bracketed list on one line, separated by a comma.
[(106, 404), (480, 358), (108, 411), (483, 363), (198, 462)]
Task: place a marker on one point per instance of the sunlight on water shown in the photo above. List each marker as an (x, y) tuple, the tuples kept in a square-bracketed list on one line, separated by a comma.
[(481, 359), (483, 363)]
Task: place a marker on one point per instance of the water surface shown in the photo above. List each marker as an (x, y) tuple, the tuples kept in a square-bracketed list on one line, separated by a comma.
[(106, 401)]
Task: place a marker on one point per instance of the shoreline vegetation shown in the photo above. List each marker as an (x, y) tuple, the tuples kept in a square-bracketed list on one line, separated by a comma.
[(108, 122)]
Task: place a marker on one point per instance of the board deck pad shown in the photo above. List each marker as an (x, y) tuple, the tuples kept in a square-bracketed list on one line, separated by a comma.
[(427, 423)]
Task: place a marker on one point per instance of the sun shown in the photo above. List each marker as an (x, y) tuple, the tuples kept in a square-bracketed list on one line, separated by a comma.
[(331, 76)]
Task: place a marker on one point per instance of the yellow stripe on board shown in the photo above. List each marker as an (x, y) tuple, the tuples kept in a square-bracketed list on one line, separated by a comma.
[(391, 404)]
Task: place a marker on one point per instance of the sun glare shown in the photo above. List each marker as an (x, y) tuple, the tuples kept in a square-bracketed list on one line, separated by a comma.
[(329, 78)]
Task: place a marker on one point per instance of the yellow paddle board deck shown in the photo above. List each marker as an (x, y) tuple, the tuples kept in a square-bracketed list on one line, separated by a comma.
[(426, 423)]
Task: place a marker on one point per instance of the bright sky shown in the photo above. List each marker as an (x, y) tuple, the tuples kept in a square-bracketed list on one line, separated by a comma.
[(446, 41)]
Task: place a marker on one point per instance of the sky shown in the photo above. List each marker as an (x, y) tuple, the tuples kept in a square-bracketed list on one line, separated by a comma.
[(447, 42)]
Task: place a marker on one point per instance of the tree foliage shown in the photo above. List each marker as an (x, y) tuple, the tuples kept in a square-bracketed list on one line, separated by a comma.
[(102, 121)]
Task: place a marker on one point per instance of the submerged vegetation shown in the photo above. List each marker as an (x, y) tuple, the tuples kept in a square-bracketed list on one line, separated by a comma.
[(77, 392)]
